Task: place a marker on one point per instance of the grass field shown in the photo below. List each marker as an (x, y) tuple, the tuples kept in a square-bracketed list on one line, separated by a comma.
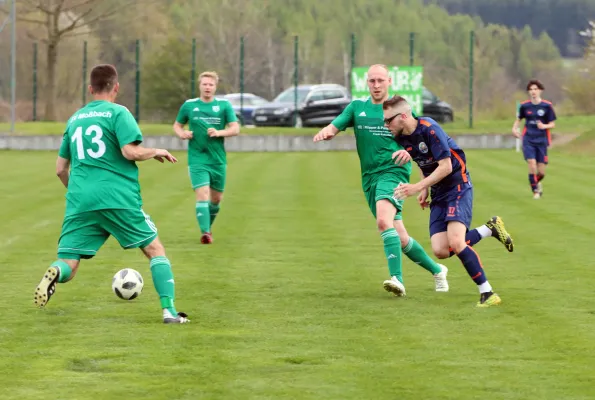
[(288, 302), (566, 125)]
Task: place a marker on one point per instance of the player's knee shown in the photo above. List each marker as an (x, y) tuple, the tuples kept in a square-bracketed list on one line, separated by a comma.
[(383, 224), (216, 198), (154, 249), (202, 193), (441, 253), (457, 245)]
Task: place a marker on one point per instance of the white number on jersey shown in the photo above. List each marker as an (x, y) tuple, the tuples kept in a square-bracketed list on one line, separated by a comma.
[(78, 138)]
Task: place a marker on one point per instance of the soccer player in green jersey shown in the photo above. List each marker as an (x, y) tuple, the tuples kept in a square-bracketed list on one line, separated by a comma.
[(210, 121), (380, 176), (101, 145)]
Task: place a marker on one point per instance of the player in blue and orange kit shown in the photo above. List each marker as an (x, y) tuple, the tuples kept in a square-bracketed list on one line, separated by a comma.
[(539, 118), (444, 170)]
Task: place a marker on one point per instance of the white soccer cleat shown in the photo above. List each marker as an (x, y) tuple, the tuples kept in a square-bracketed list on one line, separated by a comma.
[(394, 286), (536, 196), (440, 279)]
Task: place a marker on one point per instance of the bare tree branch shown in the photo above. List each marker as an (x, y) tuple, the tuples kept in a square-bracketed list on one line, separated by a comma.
[(31, 21)]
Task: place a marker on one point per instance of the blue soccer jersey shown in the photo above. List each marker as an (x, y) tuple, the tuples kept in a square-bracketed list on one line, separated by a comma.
[(429, 144), (532, 113)]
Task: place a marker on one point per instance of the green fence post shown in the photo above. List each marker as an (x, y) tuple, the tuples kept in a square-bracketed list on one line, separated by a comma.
[(411, 47), (84, 73), (242, 80), (193, 73), (137, 83), (352, 64), (35, 81), (471, 61), (295, 77)]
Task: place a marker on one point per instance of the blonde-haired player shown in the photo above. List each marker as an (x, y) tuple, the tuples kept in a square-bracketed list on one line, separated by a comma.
[(210, 120)]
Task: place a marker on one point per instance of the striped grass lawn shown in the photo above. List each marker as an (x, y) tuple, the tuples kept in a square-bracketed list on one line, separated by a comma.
[(288, 302)]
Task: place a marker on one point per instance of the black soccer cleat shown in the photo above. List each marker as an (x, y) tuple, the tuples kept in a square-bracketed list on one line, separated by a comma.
[(47, 287), (498, 229)]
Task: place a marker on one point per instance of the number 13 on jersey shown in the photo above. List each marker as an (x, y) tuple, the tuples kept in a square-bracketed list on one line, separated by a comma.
[(97, 133)]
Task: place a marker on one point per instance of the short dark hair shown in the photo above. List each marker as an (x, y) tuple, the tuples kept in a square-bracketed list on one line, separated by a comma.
[(536, 83), (103, 78), (393, 101)]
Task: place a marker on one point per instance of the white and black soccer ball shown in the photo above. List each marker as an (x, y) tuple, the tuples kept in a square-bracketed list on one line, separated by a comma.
[(127, 284)]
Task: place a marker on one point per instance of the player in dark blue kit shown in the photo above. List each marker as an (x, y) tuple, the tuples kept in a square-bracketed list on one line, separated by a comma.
[(444, 170), (539, 118)]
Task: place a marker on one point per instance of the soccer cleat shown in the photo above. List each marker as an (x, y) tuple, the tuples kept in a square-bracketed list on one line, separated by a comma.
[(47, 287), (394, 286), (181, 318), (498, 229), (536, 195), (206, 238), (489, 299), (440, 279)]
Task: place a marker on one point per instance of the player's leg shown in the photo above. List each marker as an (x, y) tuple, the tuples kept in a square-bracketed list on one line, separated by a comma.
[(201, 181), (134, 229), (218, 175), (542, 160), (530, 154), (495, 228), (458, 218), (81, 237), (385, 215)]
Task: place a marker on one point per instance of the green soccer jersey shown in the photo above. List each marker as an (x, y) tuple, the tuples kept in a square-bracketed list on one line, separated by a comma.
[(375, 144), (200, 116), (100, 176)]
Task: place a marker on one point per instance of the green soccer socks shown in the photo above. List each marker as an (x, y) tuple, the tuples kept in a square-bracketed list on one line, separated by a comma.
[(418, 255), (392, 250)]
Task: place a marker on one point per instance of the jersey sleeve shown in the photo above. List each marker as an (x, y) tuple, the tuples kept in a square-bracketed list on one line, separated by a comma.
[(438, 143), (521, 112), (230, 115), (345, 119), (551, 114), (64, 151), (127, 130), (182, 117)]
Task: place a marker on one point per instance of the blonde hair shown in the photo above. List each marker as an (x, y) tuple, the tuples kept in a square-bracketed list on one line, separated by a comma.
[(209, 74)]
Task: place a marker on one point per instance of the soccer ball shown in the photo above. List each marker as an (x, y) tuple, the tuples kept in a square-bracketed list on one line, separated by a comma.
[(127, 284)]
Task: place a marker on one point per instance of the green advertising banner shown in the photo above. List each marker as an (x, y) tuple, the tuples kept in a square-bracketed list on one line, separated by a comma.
[(406, 81)]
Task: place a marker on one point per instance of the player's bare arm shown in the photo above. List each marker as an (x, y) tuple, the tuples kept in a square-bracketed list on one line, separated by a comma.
[(62, 170), (405, 190), (181, 132), (232, 129), (326, 133), (549, 125), (422, 198), (515, 128), (136, 152)]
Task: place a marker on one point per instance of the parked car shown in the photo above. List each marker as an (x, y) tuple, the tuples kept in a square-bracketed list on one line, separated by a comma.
[(317, 105), (250, 102), (436, 108)]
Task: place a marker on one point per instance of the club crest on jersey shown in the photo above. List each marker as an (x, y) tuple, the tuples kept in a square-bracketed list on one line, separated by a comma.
[(195, 109), (215, 108), (423, 147), (540, 112)]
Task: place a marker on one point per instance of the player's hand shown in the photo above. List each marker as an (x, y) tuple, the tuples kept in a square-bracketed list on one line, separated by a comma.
[(422, 199), (161, 155), (540, 125), (401, 157), (405, 190), (185, 135), (212, 132), (516, 132), (324, 134)]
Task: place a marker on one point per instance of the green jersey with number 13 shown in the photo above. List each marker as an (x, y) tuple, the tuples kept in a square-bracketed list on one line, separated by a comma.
[(100, 176)]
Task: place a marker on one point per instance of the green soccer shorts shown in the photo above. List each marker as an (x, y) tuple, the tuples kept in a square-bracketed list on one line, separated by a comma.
[(382, 187), (212, 176), (83, 234)]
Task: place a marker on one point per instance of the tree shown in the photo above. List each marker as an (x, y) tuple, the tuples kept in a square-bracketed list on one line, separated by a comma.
[(62, 19)]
